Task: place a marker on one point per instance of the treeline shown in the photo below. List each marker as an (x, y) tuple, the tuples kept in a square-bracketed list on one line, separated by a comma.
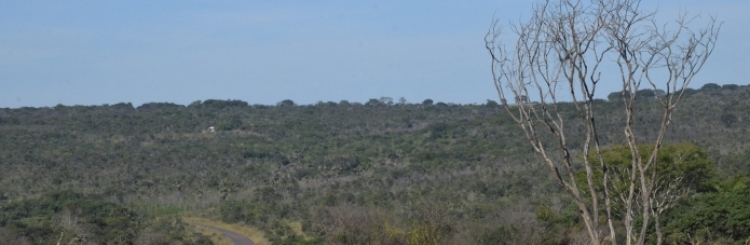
[(384, 171), (651, 93)]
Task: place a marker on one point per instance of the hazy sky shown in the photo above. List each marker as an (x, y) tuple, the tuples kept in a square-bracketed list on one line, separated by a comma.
[(262, 52)]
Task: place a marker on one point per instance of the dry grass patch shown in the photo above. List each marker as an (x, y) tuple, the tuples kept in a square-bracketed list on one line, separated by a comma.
[(296, 226)]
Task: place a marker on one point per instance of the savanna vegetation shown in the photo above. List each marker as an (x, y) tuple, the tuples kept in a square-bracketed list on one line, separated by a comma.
[(382, 172)]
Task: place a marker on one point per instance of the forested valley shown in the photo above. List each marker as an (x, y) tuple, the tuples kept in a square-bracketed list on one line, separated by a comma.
[(380, 172)]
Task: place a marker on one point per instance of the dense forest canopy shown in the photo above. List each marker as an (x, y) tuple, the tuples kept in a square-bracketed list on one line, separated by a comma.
[(384, 172)]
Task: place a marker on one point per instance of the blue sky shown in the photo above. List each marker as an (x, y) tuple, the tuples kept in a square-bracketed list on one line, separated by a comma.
[(262, 52)]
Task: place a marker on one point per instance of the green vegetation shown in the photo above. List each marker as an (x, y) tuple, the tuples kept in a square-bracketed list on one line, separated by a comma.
[(684, 166), (350, 173), (76, 218), (719, 216)]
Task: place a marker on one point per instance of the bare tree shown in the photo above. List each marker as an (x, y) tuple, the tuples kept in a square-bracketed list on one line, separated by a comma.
[(559, 56)]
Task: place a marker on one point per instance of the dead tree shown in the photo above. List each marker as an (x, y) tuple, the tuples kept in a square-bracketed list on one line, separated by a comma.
[(561, 54)]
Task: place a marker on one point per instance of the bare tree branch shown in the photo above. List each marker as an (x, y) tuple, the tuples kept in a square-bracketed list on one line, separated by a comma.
[(558, 56)]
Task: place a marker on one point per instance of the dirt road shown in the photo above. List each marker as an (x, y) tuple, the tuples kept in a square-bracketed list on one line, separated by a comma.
[(236, 238)]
